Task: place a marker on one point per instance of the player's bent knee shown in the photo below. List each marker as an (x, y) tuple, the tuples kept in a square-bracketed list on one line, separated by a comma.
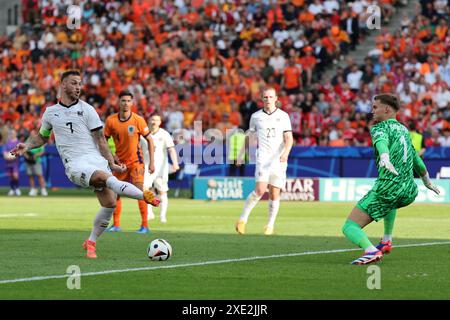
[(109, 202), (110, 205), (260, 192), (98, 179)]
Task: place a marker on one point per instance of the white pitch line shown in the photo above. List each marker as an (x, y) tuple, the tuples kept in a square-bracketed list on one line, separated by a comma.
[(11, 215), (195, 264)]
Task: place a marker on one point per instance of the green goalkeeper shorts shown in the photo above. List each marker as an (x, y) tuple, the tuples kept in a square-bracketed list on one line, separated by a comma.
[(377, 205)]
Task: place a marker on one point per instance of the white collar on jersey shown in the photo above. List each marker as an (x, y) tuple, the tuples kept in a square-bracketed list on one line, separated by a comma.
[(68, 106), (271, 112)]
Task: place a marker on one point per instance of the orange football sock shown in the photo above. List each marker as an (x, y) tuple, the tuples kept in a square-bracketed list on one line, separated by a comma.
[(117, 212), (143, 210)]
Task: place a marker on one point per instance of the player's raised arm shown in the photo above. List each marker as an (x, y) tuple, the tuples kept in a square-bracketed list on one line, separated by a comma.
[(34, 141), (421, 170)]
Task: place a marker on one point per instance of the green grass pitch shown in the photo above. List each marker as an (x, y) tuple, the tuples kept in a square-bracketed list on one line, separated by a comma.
[(43, 236)]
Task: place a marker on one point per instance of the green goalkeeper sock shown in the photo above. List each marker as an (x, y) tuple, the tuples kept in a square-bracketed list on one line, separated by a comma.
[(355, 234), (389, 225)]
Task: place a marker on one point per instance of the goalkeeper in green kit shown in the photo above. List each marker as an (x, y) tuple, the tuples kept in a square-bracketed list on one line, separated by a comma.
[(394, 188)]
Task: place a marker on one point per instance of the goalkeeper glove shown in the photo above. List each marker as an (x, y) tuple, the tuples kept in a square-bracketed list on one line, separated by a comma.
[(386, 163), (427, 182)]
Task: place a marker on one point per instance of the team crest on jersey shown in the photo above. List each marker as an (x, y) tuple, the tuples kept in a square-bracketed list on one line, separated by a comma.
[(131, 130)]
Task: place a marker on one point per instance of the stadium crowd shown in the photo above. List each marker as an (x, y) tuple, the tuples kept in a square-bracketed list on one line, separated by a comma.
[(208, 60)]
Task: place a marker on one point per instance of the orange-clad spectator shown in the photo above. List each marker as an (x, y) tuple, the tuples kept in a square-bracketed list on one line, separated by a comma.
[(220, 106), (140, 7), (247, 33), (424, 31), (428, 66), (358, 122), (211, 9), (274, 15), (197, 3), (305, 17), (292, 78), (189, 115), (172, 52), (257, 84), (340, 39), (437, 49), (11, 115), (49, 13), (209, 52), (235, 117), (339, 141), (61, 37), (348, 133), (328, 45), (441, 30), (298, 3), (384, 37), (308, 63), (388, 51), (414, 106), (192, 17), (228, 94), (224, 124), (37, 98)]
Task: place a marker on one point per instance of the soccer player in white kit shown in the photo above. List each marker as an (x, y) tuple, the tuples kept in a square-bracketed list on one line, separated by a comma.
[(273, 130), (84, 152), (159, 180)]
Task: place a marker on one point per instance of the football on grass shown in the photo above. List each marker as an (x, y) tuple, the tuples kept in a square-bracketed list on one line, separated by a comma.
[(159, 250)]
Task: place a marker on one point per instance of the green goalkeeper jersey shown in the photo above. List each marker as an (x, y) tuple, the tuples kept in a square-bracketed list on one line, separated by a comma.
[(401, 154)]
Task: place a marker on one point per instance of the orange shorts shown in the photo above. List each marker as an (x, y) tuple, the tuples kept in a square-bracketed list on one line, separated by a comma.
[(133, 174)]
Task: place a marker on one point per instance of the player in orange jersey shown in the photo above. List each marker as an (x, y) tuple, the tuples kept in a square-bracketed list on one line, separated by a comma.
[(126, 128)]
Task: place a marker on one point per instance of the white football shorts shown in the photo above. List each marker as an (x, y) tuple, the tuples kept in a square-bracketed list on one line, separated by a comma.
[(273, 173), (80, 170)]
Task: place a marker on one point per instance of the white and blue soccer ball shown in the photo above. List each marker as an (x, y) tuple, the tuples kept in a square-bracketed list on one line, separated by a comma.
[(159, 250)]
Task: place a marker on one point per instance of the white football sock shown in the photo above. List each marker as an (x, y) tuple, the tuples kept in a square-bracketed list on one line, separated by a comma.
[(250, 203), (150, 214), (387, 237), (123, 188), (274, 205), (101, 222), (371, 249), (164, 204)]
